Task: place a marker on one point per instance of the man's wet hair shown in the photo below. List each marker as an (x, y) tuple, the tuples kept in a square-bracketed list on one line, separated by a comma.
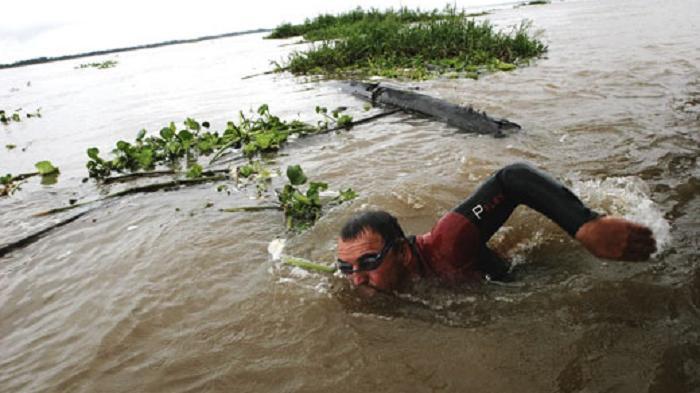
[(379, 221)]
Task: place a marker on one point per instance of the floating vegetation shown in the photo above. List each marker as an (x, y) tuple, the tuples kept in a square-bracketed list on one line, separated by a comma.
[(8, 185), (251, 135), (340, 120), (307, 265), (260, 133), (300, 208), (327, 26), (300, 202), (406, 44), (16, 116), (11, 183), (46, 168), (10, 146), (101, 66)]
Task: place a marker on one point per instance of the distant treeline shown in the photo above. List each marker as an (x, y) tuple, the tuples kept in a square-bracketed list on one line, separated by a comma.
[(39, 60)]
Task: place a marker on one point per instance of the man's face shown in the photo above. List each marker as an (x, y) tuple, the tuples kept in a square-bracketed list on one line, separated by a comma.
[(387, 277)]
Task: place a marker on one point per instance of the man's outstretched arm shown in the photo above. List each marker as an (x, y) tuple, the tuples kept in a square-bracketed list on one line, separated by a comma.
[(605, 237)]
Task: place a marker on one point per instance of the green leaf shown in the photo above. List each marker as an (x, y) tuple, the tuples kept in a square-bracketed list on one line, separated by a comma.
[(123, 146), (93, 152), (185, 135), (194, 171), (173, 147), (501, 66), (45, 168), (140, 135), (301, 198), (167, 133), (246, 170), (347, 195), (144, 157), (313, 192), (192, 124), (344, 121), (296, 175)]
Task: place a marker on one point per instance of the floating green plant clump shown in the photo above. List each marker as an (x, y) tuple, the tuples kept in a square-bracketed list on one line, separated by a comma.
[(413, 45), (10, 183), (262, 132), (16, 116), (329, 26), (100, 66), (303, 208)]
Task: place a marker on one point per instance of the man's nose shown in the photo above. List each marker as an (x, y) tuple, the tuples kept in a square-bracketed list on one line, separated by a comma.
[(359, 278)]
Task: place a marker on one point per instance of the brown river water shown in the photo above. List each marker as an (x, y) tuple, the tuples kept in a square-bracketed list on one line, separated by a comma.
[(158, 293)]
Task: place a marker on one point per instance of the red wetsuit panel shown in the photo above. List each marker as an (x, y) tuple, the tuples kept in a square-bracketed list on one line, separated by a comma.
[(450, 250)]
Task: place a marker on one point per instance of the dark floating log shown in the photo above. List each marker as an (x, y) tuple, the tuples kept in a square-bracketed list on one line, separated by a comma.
[(466, 119)]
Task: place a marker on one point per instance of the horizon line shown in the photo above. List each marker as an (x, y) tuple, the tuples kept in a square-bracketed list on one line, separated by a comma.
[(46, 59)]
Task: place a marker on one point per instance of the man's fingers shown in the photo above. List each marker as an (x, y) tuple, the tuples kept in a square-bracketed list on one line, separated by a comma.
[(638, 254), (639, 247), (641, 230)]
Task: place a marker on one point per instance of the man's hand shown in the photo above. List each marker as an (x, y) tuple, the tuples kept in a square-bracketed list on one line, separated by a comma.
[(616, 238)]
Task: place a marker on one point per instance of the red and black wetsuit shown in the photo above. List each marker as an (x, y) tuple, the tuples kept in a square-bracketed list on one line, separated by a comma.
[(455, 250)]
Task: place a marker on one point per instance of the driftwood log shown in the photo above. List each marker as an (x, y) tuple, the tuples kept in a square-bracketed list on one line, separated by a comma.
[(466, 119)]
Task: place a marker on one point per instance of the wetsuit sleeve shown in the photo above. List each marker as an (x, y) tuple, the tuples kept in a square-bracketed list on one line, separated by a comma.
[(494, 201)]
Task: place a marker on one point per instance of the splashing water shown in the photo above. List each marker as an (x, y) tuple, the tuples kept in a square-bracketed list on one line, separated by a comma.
[(627, 197)]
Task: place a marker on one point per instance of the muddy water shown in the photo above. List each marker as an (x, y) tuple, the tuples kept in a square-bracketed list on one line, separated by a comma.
[(160, 293)]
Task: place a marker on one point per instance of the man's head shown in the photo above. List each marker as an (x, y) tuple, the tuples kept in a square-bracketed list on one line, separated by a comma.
[(372, 251)]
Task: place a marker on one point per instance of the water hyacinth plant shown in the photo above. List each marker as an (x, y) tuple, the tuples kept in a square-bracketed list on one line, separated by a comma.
[(16, 116), (303, 208), (262, 132), (403, 44)]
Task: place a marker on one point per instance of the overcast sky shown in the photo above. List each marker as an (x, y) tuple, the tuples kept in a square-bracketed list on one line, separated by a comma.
[(33, 28)]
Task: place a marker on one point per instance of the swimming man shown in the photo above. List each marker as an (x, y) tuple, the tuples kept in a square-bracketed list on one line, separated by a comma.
[(376, 255)]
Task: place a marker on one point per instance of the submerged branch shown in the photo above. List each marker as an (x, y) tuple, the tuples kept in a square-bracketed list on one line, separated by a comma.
[(141, 189), (21, 243), (249, 209), (27, 240), (23, 176), (139, 175)]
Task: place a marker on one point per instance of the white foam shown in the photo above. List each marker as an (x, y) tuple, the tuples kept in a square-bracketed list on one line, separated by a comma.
[(299, 272), (276, 247), (627, 197)]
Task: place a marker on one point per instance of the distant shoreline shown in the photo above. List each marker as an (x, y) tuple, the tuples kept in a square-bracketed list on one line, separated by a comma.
[(41, 60)]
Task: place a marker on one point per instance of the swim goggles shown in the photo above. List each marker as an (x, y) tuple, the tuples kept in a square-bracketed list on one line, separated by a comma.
[(366, 262)]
